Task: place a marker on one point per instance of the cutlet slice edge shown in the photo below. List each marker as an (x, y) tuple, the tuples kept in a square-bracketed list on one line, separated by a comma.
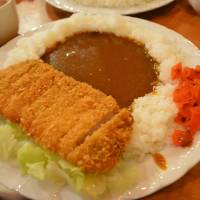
[(101, 151), (97, 116), (8, 77)]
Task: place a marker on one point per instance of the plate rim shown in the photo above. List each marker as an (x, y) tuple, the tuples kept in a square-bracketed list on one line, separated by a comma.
[(73, 8)]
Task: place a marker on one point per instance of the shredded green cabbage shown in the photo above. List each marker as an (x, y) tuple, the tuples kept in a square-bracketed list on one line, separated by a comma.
[(41, 164), (34, 160), (8, 143)]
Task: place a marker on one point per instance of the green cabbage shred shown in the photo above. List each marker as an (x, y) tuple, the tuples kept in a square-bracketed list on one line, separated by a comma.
[(41, 164)]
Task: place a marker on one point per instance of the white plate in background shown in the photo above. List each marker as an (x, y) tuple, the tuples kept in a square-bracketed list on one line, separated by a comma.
[(68, 6)]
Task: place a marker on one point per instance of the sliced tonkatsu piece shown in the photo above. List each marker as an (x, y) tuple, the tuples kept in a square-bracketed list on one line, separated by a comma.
[(84, 114), (74, 120), (43, 109), (28, 88), (102, 149), (8, 77), (88, 122), (64, 106), (22, 99)]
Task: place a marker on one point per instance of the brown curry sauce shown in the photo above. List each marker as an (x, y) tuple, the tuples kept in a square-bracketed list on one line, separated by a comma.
[(160, 160), (117, 66)]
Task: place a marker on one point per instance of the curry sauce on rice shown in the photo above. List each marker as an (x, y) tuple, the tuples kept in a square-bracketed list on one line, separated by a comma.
[(118, 66)]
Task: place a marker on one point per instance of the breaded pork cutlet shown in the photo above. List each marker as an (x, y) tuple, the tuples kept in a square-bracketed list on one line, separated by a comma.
[(70, 118), (103, 148), (68, 105), (41, 106), (8, 77), (78, 121), (27, 88), (95, 114)]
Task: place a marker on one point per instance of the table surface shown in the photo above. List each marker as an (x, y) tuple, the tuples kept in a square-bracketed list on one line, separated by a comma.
[(178, 16)]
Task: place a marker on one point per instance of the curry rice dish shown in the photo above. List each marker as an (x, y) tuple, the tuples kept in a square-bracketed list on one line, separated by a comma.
[(71, 118)]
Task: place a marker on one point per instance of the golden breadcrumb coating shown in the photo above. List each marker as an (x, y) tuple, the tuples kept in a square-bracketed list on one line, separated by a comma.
[(102, 149), (61, 86), (96, 113), (8, 78), (68, 117), (28, 88)]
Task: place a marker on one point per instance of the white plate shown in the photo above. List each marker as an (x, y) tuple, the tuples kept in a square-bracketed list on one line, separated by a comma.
[(179, 160), (66, 5)]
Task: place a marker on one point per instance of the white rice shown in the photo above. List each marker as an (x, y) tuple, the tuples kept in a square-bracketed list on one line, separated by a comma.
[(111, 3), (154, 113), (153, 121)]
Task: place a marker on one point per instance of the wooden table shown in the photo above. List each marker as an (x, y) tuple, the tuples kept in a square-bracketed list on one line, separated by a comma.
[(178, 16)]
